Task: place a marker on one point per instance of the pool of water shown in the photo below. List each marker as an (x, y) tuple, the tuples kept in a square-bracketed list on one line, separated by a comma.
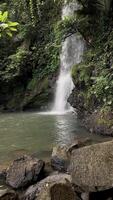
[(37, 133)]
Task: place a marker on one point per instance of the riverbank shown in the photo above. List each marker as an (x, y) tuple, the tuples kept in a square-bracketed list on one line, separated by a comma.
[(79, 171)]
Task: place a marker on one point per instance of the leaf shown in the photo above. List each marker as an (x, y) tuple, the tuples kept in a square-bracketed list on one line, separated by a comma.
[(4, 16), (0, 15), (12, 29), (4, 25), (107, 87), (9, 33), (13, 24)]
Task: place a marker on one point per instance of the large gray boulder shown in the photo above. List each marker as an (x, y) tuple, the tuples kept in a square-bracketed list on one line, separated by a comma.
[(55, 187), (24, 171), (92, 166)]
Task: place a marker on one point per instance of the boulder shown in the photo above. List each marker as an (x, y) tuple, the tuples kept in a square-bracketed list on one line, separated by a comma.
[(24, 171), (61, 153), (91, 167), (7, 194), (55, 187), (78, 143), (59, 159)]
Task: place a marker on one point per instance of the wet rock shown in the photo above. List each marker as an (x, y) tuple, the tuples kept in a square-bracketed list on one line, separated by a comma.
[(92, 166), (56, 187), (24, 171), (7, 194)]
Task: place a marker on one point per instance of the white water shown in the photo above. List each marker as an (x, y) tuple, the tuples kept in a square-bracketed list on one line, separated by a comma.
[(71, 54)]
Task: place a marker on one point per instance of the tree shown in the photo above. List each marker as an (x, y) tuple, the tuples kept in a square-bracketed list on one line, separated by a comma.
[(7, 27)]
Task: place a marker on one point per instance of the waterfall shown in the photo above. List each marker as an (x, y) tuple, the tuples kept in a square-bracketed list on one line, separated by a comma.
[(71, 54)]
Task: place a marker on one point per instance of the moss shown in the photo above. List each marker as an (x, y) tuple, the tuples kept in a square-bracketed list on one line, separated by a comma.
[(105, 117)]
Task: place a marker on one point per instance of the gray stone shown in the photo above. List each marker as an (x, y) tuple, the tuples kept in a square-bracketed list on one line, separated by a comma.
[(56, 187), (24, 171), (92, 166)]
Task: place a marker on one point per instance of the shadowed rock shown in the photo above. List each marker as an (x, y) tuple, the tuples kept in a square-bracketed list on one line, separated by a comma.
[(59, 159)]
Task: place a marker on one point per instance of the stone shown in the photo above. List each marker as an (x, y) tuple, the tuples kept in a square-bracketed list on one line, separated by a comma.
[(78, 143), (55, 187), (61, 153), (104, 195), (7, 194), (85, 196), (91, 167), (60, 160), (24, 171)]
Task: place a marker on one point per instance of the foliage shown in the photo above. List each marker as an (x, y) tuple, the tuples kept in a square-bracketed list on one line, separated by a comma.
[(16, 63), (6, 27), (33, 54), (94, 76)]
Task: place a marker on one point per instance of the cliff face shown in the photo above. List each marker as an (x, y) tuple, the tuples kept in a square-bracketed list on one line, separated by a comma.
[(93, 77)]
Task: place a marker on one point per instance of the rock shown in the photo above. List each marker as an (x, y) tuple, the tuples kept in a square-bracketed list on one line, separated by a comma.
[(48, 170), (60, 160), (104, 195), (3, 174), (56, 187), (7, 194), (78, 143), (61, 153), (92, 166), (85, 196), (24, 171)]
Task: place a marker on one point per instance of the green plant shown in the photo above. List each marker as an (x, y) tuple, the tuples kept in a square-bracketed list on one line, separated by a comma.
[(7, 27)]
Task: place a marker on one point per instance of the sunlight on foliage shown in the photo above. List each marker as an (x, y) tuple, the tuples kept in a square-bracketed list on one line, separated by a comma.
[(7, 27)]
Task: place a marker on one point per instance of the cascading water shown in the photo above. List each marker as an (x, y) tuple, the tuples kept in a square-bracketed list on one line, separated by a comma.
[(71, 54)]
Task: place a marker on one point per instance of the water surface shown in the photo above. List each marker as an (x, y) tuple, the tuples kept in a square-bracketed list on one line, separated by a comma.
[(22, 133)]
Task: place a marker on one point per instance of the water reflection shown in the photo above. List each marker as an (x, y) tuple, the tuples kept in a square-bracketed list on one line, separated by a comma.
[(64, 129), (35, 133), (69, 129)]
